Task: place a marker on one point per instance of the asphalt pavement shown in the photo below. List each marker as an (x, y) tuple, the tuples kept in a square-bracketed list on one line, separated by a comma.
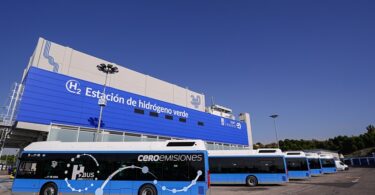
[(356, 181), (5, 185)]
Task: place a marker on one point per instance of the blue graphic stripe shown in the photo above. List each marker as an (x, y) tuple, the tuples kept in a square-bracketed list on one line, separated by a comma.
[(50, 59)]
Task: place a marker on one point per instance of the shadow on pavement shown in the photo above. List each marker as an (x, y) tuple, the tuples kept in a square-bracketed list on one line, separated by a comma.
[(242, 188), (331, 184)]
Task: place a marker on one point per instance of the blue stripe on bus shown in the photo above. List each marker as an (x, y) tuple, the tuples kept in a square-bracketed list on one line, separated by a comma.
[(315, 172), (329, 169), (269, 178), (299, 174), (113, 187)]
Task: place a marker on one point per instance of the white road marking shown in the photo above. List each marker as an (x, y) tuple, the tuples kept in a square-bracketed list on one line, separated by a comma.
[(356, 180), (2, 187)]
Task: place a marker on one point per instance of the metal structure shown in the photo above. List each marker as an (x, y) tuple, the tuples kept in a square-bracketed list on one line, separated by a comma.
[(274, 116), (107, 69), (79, 134), (8, 117)]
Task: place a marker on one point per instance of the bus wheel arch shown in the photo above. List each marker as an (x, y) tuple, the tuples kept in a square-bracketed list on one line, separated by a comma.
[(147, 189), (251, 181), (49, 188)]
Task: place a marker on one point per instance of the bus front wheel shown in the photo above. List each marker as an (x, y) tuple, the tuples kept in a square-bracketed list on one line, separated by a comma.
[(49, 189), (147, 189), (251, 181)]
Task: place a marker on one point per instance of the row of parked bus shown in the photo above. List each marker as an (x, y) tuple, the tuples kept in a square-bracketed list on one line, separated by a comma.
[(155, 168), (266, 166)]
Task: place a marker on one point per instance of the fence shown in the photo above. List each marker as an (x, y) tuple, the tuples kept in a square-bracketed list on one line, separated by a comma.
[(360, 161)]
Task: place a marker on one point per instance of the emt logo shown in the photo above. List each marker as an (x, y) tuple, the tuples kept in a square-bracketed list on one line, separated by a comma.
[(195, 101)]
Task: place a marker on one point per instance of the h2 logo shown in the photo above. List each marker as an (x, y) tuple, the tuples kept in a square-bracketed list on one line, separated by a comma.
[(79, 172), (73, 87)]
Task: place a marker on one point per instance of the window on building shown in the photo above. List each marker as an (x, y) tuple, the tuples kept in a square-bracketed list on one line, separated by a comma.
[(139, 111), (130, 137), (154, 114), (169, 117), (149, 138), (160, 138)]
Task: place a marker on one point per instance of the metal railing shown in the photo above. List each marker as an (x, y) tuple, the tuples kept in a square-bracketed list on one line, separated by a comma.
[(5, 120), (8, 114)]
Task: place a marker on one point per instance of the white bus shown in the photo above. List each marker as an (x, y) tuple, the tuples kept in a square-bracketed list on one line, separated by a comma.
[(314, 164), (250, 167), (138, 168), (297, 164), (328, 163)]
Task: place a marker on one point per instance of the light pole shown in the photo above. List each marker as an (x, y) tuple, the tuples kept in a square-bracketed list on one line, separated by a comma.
[(107, 69), (14, 157), (4, 136), (6, 160), (274, 116)]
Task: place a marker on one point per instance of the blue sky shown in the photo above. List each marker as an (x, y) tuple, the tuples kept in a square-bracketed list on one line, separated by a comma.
[(312, 62)]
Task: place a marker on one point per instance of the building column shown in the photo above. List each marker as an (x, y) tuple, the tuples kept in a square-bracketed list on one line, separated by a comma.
[(245, 117)]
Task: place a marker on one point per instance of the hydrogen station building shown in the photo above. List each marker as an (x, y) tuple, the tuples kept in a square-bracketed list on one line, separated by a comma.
[(57, 99)]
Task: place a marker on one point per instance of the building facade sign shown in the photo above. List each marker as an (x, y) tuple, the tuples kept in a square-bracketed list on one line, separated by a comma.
[(50, 97)]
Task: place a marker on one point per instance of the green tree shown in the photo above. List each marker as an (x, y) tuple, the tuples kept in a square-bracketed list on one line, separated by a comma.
[(342, 144), (370, 129), (258, 145)]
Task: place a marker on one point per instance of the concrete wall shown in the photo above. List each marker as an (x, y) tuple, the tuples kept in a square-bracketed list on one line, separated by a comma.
[(67, 61)]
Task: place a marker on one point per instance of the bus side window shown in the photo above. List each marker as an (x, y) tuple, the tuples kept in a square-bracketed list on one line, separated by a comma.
[(54, 167), (127, 174), (266, 166), (194, 167), (178, 171)]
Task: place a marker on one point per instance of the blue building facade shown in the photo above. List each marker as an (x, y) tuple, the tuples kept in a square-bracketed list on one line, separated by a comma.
[(50, 97)]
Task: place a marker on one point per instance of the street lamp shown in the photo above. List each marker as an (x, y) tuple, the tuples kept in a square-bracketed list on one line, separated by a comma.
[(274, 116), (14, 157), (107, 69)]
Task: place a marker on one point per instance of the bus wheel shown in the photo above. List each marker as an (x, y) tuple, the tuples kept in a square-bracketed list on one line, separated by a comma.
[(49, 189), (147, 189), (251, 181)]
